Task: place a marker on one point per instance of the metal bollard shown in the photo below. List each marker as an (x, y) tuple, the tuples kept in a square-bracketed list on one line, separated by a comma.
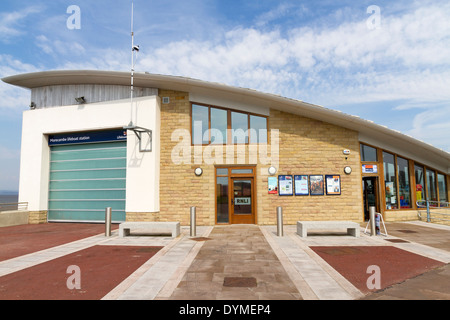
[(372, 221), (280, 221), (108, 212), (193, 222)]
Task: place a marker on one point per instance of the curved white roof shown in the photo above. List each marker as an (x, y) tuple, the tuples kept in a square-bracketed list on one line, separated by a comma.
[(365, 128)]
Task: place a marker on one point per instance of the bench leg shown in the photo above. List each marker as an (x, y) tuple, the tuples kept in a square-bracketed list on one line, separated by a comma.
[(302, 231), (353, 232), (176, 231), (124, 232)]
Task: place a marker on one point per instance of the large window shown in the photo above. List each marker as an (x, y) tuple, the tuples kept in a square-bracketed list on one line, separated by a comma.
[(218, 126), (258, 129), (239, 126), (442, 187), (390, 181), (211, 125), (431, 186), (200, 124), (403, 183), (420, 182)]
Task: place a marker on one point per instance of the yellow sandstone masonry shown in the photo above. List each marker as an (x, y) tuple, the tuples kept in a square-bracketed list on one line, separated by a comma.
[(306, 146), (37, 217)]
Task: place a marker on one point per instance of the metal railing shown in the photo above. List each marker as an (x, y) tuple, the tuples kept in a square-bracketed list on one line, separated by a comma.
[(15, 206), (439, 208)]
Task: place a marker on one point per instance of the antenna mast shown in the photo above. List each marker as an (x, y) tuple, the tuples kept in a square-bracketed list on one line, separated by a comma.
[(133, 48)]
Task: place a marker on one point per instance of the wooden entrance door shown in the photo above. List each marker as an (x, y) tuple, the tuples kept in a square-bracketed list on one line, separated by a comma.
[(242, 201)]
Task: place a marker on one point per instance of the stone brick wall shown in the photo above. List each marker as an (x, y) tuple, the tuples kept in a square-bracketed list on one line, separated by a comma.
[(313, 147), (306, 147), (37, 217)]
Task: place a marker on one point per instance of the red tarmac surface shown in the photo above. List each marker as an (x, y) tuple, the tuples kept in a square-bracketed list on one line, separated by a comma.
[(395, 265), (17, 241), (102, 268)]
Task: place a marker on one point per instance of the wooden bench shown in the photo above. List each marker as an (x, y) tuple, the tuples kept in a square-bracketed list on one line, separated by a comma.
[(303, 227), (151, 228)]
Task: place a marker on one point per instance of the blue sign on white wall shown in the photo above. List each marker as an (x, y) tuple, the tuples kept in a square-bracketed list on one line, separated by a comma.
[(87, 137)]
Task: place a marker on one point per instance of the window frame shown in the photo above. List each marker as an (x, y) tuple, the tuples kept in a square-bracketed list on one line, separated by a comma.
[(229, 137), (412, 178)]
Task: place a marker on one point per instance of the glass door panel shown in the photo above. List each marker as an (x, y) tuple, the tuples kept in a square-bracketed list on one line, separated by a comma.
[(222, 200), (242, 201)]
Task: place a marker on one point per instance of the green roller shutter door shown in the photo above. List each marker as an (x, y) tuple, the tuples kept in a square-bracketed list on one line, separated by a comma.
[(85, 179)]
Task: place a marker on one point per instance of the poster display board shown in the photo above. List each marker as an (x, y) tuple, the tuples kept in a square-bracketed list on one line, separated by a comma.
[(301, 184), (333, 183), (285, 186), (272, 185), (316, 185)]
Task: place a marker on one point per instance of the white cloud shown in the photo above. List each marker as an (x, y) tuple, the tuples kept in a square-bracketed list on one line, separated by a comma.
[(11, 22), (407, 59), (13, 97), (58, 47)]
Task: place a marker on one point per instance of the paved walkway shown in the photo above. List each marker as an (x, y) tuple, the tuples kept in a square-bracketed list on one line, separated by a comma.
[(252, 262)]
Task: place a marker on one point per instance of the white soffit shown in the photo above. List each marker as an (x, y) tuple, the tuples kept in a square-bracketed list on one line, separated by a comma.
[(243, 96)]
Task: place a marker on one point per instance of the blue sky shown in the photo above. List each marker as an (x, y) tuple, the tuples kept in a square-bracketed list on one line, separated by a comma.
[(391, 66)]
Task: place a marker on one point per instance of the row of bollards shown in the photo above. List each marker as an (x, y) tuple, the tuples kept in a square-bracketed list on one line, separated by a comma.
[(193, 224), (193, 220)]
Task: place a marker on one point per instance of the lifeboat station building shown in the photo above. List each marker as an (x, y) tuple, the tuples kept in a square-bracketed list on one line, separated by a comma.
[(171, 143)]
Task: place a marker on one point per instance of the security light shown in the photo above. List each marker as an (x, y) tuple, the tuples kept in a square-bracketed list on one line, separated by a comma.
[(80, 100), (198, 172), (272, 171)]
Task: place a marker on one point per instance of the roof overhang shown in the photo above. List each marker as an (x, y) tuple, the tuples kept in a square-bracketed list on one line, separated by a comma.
[(244, 95)]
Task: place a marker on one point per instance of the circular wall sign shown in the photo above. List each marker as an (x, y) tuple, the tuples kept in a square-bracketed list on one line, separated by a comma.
[(348, 170)]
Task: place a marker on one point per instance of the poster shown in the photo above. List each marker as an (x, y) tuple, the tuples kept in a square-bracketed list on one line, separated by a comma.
[(316, 185), (273, 185), (333, 184), (301, 185), (285, 186)]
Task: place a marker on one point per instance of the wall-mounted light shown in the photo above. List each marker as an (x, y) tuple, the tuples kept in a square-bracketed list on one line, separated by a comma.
[(80, 100), (198, 172), (348, 170), (272, 170), (32, 105)]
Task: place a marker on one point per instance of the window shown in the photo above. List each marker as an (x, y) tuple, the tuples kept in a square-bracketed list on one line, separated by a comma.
[(431, 186), (442, 187), (403, 183), (390, 181), (368, 153), (218, 126), (420, 187), (200, 118), (258, 129), (239, 126), (214, 125)]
